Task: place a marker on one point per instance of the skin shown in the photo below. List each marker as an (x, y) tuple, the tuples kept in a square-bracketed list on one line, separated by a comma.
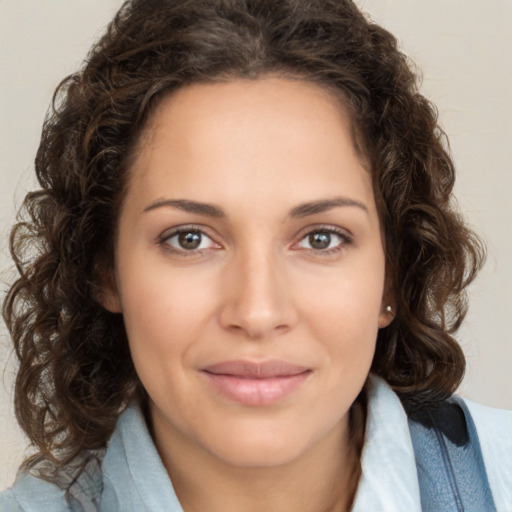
[(257, 288)]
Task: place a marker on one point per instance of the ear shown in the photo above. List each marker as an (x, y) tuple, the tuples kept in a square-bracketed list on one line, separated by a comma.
[(109, 294), (387, 308), (387, 314), (388, 305)]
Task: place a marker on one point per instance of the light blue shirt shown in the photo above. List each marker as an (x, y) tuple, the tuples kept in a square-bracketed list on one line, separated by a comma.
[(134, 478)]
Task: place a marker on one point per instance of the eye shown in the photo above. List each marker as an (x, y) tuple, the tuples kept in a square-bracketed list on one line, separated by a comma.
[(188, 240), (324, 240)]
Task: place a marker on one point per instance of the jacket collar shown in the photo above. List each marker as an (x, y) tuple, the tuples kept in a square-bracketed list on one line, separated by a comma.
[(389, 480)]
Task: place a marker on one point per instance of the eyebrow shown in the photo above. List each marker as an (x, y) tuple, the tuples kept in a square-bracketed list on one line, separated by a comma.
[(300, 211), (323, 205), (206, 209)]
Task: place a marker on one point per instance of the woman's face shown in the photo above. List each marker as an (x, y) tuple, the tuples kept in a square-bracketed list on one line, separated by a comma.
[(250, 271)]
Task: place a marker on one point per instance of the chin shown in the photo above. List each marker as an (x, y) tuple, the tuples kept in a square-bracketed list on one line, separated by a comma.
[(257, 456), (258, 447)]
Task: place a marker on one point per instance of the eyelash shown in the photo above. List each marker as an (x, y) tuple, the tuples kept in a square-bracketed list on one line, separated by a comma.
[(345, 240), (163, 241)]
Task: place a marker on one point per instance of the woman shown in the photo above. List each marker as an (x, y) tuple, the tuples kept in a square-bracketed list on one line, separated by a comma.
[(245, 209)]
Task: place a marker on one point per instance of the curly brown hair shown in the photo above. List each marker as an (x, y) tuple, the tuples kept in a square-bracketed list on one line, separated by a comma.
[(75, 373)]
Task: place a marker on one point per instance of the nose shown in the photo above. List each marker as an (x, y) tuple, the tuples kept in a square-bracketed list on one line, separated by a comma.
[(258, 297)]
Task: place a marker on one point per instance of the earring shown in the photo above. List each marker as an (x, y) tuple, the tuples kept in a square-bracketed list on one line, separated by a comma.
[(389, 310)]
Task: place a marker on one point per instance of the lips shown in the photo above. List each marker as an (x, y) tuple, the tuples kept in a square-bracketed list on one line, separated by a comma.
[(256, 384)]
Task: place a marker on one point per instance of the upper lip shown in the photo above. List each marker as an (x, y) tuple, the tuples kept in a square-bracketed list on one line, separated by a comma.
[(251, 369)]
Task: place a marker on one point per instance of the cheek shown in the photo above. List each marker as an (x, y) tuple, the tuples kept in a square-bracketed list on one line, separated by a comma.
[(342, 311), (164, 319), (164, 313), (159, 298), (348, 297)]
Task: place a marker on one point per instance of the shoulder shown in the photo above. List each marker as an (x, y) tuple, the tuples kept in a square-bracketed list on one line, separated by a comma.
[(490, 422), (45, 487), (32, 494), (123, 476), (494, 429)]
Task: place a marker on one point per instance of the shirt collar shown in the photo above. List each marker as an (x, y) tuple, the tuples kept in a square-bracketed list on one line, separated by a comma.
[(389, 480)]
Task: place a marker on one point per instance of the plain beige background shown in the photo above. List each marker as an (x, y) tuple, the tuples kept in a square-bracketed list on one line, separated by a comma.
[(463, 47)]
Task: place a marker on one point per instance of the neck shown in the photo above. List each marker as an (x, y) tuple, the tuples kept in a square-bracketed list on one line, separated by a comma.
[(322, 480)]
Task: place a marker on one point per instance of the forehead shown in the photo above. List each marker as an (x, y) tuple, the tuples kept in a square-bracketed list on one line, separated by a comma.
[(213, 105), (269, 135)]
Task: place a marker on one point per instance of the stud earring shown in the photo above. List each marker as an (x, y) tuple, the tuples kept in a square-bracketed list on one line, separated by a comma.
[(389, 310)]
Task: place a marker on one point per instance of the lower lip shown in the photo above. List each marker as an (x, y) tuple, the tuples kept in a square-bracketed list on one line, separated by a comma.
[(256, 392)]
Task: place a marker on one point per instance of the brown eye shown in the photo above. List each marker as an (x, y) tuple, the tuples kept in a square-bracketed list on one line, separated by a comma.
[(319, 240), (324, 241), (189, 240)]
